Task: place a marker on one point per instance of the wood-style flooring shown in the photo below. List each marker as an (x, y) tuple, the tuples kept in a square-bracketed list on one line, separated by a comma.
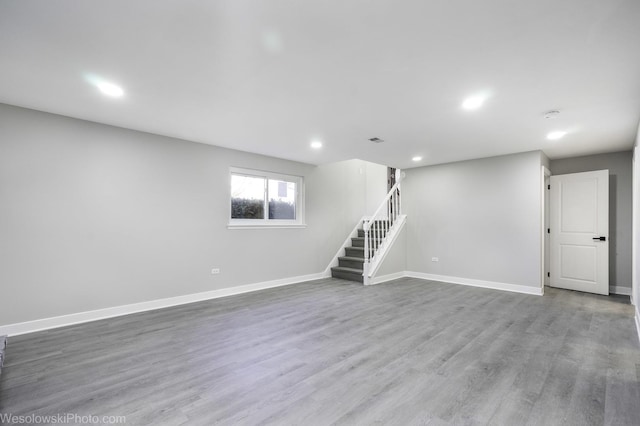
[(335, 352)]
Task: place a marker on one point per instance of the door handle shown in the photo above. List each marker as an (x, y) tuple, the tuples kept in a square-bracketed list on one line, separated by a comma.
[(600, 238)]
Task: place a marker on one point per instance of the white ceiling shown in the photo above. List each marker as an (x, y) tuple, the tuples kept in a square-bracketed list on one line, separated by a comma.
[(269, 76)]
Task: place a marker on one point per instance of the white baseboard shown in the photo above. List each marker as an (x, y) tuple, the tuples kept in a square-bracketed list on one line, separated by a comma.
[(638, 323), (389, 277), (624, 291), (116, 311), (463, 281), (515, 288)]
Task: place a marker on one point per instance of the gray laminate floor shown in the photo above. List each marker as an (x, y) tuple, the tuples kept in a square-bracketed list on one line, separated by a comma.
[(331, 351)]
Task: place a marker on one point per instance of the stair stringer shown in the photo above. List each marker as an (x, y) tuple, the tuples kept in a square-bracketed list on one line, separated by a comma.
[(347, 243), (385, 248)]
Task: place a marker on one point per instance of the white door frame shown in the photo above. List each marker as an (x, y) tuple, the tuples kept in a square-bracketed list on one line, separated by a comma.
[(544, 225), (635, 279)]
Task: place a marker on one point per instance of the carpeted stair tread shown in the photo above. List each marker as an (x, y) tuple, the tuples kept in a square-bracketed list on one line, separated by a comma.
[(345, 269), (355, 259)]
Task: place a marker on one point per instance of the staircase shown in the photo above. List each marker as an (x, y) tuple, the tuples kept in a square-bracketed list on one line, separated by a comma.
[(351, 265), (370, 240)]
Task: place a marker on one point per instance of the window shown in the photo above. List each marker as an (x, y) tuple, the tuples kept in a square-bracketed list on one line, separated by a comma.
[(264, 199)]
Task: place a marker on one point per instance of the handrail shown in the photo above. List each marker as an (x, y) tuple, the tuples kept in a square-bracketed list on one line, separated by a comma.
[(379, 225), (383, 205)]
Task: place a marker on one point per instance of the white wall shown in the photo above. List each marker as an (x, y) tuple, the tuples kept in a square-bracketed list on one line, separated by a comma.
[(338, 195), (94, 216), (544, 160), (619, 165), (481, 218), (376, 185)]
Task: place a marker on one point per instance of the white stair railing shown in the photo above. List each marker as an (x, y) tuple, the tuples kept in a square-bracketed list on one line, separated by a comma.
[(378, 227)]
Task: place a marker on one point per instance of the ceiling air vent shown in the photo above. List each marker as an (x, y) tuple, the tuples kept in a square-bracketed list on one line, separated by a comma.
[(376, 140)]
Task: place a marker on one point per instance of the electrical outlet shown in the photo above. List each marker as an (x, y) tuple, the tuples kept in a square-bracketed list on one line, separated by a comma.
[(435, 259), (215, 271)]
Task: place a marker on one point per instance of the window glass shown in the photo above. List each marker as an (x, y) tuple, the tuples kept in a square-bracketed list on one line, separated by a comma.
[(247, 197), (282, 200)]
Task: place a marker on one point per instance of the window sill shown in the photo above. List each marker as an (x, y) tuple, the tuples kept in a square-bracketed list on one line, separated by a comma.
[(267, 226)]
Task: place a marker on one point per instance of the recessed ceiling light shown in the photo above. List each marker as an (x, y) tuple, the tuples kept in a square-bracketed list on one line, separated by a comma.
[(316, 144), (416, 158), (473, 102), (554, 136), (110, 89), (272, 41)]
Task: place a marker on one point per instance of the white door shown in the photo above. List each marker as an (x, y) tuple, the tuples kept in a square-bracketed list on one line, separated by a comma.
[(580, 231)]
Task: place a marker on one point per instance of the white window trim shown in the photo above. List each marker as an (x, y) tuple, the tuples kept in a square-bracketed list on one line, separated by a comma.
[(269, 223)]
